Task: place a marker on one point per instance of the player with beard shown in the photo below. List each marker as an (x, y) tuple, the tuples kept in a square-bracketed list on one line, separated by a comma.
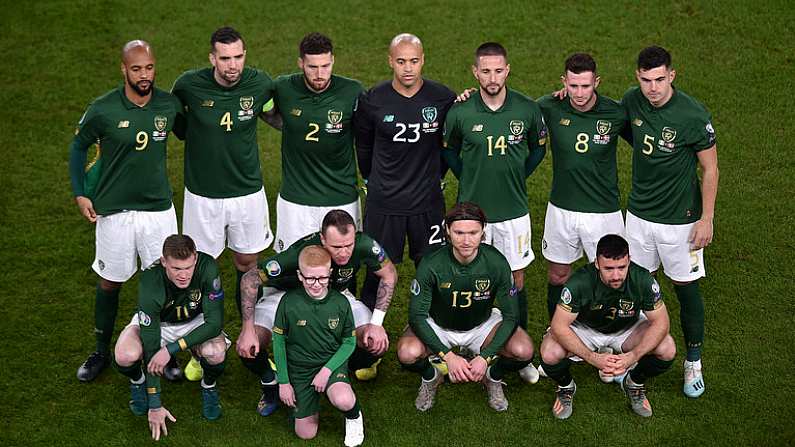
[(398, 144), (225, 202), (126, 193), (493, 142), (314, 110)]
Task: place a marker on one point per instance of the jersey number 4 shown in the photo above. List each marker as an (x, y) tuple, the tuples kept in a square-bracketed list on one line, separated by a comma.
[(226, 120)]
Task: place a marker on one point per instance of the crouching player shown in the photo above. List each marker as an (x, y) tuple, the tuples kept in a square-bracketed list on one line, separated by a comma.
[(180, 306), (463, 297), (313, 336), (611, 303)]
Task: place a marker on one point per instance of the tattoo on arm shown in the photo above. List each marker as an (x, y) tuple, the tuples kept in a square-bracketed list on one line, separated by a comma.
[(383, 296), (249, 285)]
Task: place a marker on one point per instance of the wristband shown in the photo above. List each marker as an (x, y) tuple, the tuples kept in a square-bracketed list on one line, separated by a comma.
[(378, 317)]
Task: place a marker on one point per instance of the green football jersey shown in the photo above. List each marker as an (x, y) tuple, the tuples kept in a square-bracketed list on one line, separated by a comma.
[(318, 161), (494, 146), (460, 297), (314, 329), (132, 155), (605, 309), (161, 301), (584, 173), (280, 270), (666, 140), (221, 151)]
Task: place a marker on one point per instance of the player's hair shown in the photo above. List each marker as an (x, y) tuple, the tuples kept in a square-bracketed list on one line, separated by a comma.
[(653, 57), (339, 219), (612, 246), (179, 246), (315, 43), (465, 211), (227, 35), (137, 43), (405, 37), (314, 256), (579, 63), (490, 49)]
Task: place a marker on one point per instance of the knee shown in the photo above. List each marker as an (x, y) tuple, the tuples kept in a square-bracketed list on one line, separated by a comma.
[(127, 355), (245, 262), (409, 352), (521, 349), (551, 352), (666, 350), (558, 275), (213, 352), (343, 399), (306, 430)]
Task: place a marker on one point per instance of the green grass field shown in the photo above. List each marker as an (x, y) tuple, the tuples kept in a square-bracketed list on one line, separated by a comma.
[(59, 55)]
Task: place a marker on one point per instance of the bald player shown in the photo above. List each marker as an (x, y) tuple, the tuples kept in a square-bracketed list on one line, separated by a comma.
[(125, 193), (398, 144)]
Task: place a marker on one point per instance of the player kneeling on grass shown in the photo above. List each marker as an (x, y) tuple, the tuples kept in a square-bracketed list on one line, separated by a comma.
[(611, 303), (453, 305), (313, 337), (180, 306)]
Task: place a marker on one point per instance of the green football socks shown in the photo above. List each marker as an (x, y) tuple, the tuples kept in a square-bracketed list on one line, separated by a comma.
[(553, 295), (691, 315), (649, 366), (106, 306)]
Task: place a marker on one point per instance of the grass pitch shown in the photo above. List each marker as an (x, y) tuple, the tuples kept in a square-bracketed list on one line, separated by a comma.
[(736, 58)]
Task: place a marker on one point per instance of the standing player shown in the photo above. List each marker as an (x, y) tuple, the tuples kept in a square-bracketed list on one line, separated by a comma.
[(463, 297), (614, 303), (180, 307), (313, 337), (584, 128), (493, 142), (131, 201), (349, 250), (669, 217), (225, 200), (398, 143), (318, 161)]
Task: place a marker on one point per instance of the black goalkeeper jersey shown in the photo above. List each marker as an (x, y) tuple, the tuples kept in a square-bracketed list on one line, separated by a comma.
[(398, 144)]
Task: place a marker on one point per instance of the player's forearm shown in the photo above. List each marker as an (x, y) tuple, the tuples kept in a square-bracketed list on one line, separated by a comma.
[(655, 333), (280, 357), (453, 161), (211, 328), (533, 160), (501, 336), (77, 161), (343, 353), (418, 320), (273, 119), (249, 285), (386, 289), (709, 192)]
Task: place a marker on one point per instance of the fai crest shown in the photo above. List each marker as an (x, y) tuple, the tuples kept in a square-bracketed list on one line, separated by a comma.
[(334, 116), (517, 127), (333, 323), (345, 273), (195, 295), (482, 285), (603, 127), (625, 305), (246, 102), (668, 134), (160, 123), (429, 114)]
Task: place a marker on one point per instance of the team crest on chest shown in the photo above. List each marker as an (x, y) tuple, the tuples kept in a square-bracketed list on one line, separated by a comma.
[(334, 124), (668, 134), (603, 127), (246, 111), (517, 127), (482, 285), (345, 274), (626, 308), (161, 122), (333, 323), (195, 295), (429, 114)]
